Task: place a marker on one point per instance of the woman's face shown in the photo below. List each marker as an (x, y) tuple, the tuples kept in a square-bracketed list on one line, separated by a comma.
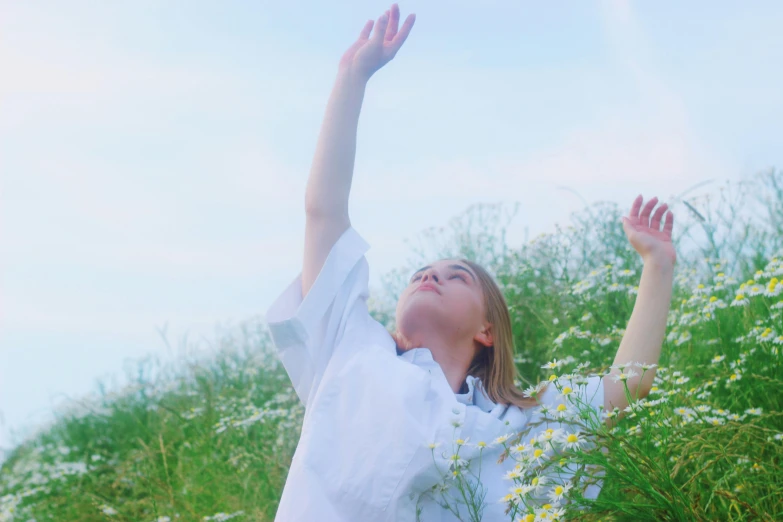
[(453, 311)]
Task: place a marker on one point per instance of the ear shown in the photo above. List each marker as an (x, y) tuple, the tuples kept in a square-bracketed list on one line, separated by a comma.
[(485, 336)]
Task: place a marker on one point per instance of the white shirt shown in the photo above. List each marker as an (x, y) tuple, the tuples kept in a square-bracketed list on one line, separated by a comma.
[(370, 414)]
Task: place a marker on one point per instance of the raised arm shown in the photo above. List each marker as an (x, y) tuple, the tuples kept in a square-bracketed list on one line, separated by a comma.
[(329, 185), (647, 326)]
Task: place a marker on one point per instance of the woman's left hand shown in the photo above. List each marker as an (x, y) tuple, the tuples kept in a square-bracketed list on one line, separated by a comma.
[(645, 233)]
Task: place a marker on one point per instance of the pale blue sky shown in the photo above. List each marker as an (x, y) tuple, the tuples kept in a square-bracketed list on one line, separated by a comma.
[(153, 156)]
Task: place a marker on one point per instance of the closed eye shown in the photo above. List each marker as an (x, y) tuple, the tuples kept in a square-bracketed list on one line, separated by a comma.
[(452, 277)]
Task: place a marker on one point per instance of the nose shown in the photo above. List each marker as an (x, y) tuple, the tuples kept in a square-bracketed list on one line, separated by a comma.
[(429, 274)]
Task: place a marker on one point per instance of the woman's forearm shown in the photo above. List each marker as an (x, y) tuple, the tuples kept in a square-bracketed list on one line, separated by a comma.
[(647, 326), (329, 184)]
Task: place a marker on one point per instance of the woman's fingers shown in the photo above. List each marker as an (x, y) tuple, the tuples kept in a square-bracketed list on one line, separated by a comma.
[(380, 29), (394, 21), (365, 34), (655, 224), (644, 217), (637, 204), (402, 35), (669, 224)]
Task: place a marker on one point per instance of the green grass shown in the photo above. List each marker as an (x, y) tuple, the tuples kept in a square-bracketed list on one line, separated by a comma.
[(205, 437)]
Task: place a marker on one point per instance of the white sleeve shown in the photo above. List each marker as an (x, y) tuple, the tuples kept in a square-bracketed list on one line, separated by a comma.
[(307, 331)]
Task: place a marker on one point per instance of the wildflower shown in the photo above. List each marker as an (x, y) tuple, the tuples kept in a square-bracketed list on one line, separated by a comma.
[(703, 408), (774, 288), (457, 461), (549, 434), (717, 359), (519, 448), (753, 411), (562, 411), (553, 364), (221, 517), (532, 391), (766, 335), (538, 455), (566, 391), (461, 442), (733, 378), (519, 490), (538, 482), (572, 440), (502, 439), (756, 290), (433, 445), (587, 317), (684, 338), (108, 510), (682, 380), (740, 300), (624, 376), (558, 492)]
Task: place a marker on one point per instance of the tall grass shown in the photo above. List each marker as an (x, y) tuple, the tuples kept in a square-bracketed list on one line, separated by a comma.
[(211, 439)]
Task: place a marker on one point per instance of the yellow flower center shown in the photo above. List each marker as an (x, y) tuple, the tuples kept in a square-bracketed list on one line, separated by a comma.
[(552, 377), (561, 407), (567, 390), (572, 438), (538, 453)]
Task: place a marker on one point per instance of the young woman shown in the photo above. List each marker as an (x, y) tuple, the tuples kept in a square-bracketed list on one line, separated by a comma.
[(376, 403)]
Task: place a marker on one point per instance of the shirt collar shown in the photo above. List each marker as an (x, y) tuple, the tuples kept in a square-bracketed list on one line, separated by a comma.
[(475, 396)]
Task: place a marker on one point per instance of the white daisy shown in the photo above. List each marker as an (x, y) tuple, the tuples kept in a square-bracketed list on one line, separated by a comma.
[(572, 440)]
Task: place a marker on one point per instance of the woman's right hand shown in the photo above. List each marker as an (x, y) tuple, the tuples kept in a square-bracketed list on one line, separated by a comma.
[(368, 54)]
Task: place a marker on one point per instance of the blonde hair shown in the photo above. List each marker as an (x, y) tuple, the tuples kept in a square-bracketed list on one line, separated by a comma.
[(494, 365)]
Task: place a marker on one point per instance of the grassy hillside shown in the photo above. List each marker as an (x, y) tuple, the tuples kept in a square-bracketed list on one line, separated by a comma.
[(211, 439)]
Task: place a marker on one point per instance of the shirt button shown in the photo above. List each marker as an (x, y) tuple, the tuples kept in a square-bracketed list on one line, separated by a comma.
[(455, 411)]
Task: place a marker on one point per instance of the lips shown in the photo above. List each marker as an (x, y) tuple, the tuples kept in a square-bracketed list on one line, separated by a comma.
[(427, 286)]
